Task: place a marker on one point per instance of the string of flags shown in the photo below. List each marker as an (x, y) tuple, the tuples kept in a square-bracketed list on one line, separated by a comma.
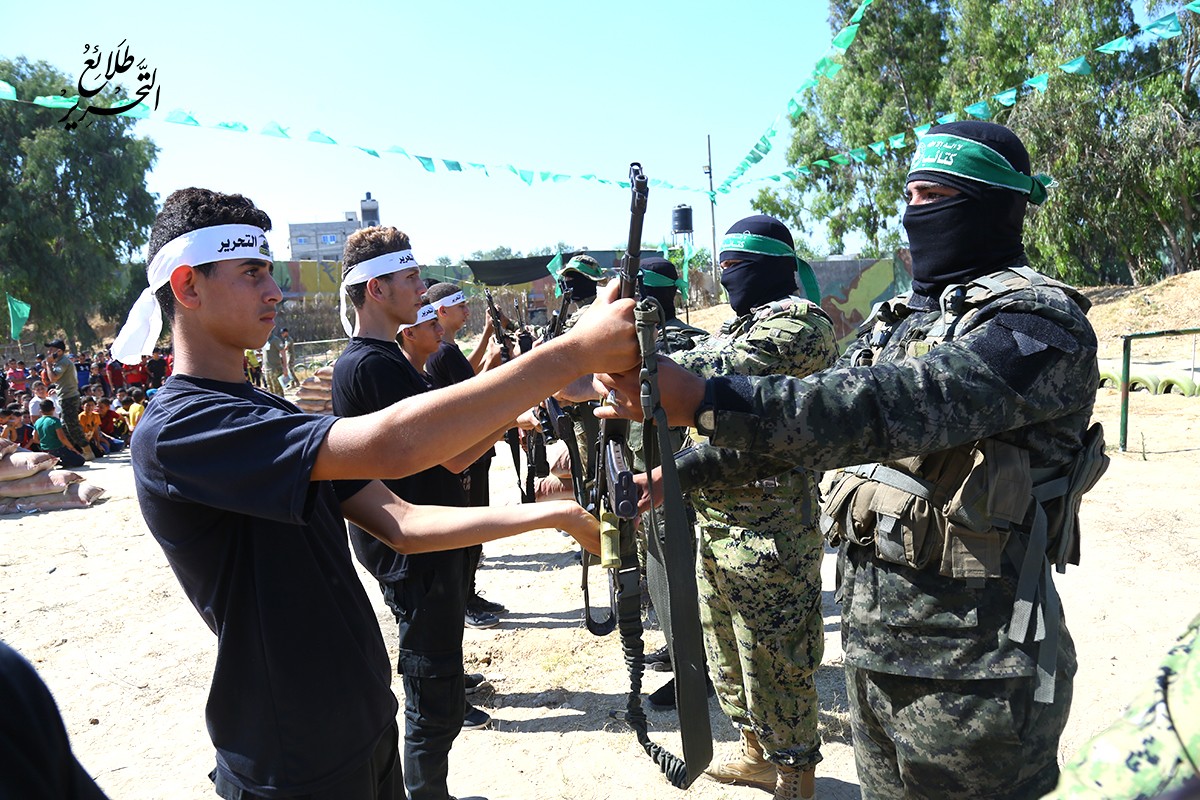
[(1165, 27)]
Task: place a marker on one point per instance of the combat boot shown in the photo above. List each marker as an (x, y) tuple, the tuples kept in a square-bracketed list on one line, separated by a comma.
[(749, 768), (795, 783)]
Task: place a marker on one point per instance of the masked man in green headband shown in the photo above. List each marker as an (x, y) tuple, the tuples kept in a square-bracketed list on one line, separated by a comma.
[(964, 407), (759, 570)]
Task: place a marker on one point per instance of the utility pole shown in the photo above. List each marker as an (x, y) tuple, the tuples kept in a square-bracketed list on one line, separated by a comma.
[(712, 207)]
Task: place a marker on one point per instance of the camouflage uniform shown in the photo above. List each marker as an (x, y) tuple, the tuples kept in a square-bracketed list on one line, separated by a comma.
[(758, 574), (1155, 747), (941, 697)]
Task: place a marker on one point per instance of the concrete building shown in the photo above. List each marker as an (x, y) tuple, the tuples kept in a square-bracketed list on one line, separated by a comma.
[(324, 241)]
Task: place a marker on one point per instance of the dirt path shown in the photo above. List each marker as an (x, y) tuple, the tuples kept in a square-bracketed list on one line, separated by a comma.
[(89, 599)]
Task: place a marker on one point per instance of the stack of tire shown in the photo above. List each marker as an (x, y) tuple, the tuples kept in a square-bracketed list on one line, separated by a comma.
[(315, 395), (1170, 383), (30, 482)]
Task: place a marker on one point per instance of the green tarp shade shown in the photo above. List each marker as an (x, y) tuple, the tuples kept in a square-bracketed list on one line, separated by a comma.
[(181, 117), (921, 130), (510, 271), (1079, 66), (7, 91), (18, 315), (947, 118), (844, 39), (453, 166), (840, 159), (1039, 81), (979, 110), (426, 162), (1165, 27), (320, 138), (1119, 45), (878, 148), (896, 141), (864, 5), (240, 127), (1006, 98), (275, 129), (55, 101)]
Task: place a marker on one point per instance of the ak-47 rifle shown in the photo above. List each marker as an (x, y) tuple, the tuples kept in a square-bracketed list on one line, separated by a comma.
[(616, 498), (511, 436)]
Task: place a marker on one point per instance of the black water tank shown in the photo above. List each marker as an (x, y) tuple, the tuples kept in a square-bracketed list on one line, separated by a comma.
[(681, 219)]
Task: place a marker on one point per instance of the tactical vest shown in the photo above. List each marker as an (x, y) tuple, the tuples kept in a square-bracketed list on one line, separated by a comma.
[(956, 510)]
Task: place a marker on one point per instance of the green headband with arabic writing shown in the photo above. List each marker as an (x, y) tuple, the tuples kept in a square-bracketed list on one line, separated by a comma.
[(967, 158), (766, 246), (654, 280)]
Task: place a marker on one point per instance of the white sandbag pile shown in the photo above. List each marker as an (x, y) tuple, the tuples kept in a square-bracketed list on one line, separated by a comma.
[(316, 392), (29, 482)]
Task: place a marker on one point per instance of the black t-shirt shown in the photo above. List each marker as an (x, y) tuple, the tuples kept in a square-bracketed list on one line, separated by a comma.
[(301, 693), (449, 366), (157, 369), (36, 762), (371, 375)]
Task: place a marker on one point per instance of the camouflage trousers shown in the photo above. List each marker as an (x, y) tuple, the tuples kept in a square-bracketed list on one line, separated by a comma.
[(924, 738), (760, 606)]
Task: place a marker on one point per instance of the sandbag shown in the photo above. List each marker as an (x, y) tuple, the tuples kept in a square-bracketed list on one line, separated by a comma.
[(325, 373), (24, 463), (7, 446), (77, 495), (54, 481)]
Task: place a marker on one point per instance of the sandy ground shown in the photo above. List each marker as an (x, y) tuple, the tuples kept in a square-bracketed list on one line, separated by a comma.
[(89, 599)]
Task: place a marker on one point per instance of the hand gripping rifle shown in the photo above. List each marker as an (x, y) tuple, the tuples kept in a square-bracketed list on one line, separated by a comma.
[(511, 436), (617, 499)]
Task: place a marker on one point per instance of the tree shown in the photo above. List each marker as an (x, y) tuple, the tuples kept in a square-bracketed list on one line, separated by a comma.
[(1121, 142), (74, 209)]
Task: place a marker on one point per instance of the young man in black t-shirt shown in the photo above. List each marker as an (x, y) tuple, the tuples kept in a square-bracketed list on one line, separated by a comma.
[(445, 367), (427, 593), (246, 496)]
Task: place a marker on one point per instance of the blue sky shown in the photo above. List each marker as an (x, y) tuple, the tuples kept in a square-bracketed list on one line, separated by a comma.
[(568, 87)]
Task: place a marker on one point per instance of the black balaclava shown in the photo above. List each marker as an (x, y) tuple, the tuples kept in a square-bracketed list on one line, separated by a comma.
[(974, 233), (581, 287), (758, 279), (665, 295)]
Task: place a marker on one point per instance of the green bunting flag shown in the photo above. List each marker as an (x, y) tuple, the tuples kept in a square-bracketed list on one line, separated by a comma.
[(1078, 66), (1193, 6), (862, 9), (878, 148), (979, 110), (843, 40), (839, 159), (7, 91), (239, 127), (1166, 27), (947, 118), (427, 163), (453, 166), (554, 267), (270, 129), (1006, 98), (55, 101), (896, 142), (18, 315), (181, 117), (921, 130), (1038, 82), (367, 150), (320, 138), (1119, 45), (859, 154)]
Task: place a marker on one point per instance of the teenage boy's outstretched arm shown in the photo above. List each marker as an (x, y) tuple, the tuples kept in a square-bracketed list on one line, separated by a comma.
[(417, 433), (409, 528)]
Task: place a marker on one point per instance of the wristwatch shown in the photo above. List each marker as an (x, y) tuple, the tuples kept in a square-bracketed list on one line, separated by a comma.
[(706, 415)]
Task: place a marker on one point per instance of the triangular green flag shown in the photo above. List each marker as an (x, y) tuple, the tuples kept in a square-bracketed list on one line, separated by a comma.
[(453, 166), (896, 142), (55, 101), (18, 315), (7, 91), (794, 109), (947, 118), (1193, 6), (181, 117), (398, 150), (820, 162), (753, 157), (1079, 66), (1119, 45), (878, 148), (554, 267), (840, 159), (833, 70), (844, 39), (1165, 27), (427, 163), (811, 83), (688, 252), (138, 111), (320, 138), (859, 154), (274, 129), (979, 110), (240, 127), (526, 175), (1006, 98), (367, 150), (822, 65), (481, 167), (921, 130), (862, 9), (1038, 81), (545, 175), (559, 178)]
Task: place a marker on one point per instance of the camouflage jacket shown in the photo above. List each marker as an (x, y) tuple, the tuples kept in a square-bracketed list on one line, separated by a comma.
[(678, 337), (787, 337), (1155, 747), (1022, 370)]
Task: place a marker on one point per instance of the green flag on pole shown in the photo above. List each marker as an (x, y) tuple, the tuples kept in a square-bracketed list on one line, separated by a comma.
[(554, 268), (18, 315)]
